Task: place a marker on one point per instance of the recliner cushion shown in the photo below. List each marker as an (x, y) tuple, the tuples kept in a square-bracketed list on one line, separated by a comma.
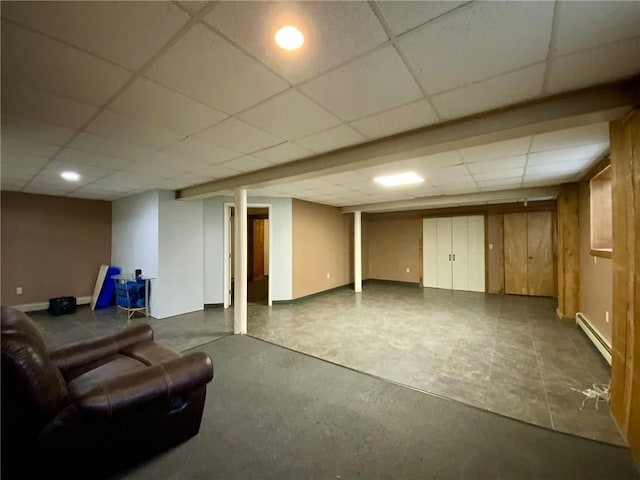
[(150, 353), (116, 366)]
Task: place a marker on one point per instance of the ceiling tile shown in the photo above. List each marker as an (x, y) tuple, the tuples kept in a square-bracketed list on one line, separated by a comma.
[(607, 22), (290, 115), (489, 94), (25, 147), (237, 135), (78, 157), (510, 173), (58, 191), (203, 151), (589, 134), (504, 184), (192, 66), (334, 33), (34, 131), (41, 62), (402, 16), (124, 181), (285, 152), (43, 106), (493, 151), (157, 105), (331, 139), (573, 166), (493, 165), (24, 170), (407, 117), (127, 33), (599, 65), (432, 163), (87, 142), (246, 164), (124, 129), (567, 154), (12, 185), (219, 171), (486, 39), (193, 6), (458, 189), (373, 83)]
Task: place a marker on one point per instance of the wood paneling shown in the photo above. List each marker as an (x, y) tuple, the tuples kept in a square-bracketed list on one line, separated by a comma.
[(515, 253), (495, 257), (539, 254), (568, 251), (625, 371)]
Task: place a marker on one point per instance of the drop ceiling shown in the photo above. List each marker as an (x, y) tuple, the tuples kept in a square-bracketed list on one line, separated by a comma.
[(143, 95)]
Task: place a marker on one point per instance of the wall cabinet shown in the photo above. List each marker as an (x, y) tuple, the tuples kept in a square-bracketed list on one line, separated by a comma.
[(453, 253), (528, 254)]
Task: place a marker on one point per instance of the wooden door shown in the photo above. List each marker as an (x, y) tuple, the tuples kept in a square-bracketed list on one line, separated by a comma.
[(540, 254), (515, 253), (443, 240), (257, 257), (460, 253), (429, 253), (475, 241)]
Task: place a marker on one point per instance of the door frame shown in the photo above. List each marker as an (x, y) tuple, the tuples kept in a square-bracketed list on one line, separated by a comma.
[(227, 250)]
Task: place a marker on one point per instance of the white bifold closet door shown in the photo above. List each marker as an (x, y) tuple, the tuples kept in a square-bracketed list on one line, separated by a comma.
[(453, 253)]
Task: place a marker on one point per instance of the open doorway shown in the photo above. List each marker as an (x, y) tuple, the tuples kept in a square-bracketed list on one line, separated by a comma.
[(258, 254)]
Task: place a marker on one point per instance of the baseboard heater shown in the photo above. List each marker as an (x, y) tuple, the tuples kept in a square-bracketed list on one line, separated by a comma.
[(596, 338)]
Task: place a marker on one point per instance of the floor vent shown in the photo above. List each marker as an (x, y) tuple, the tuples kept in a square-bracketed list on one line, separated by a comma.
[(598, 340)]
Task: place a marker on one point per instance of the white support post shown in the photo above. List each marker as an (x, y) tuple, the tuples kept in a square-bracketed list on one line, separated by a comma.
[(240, 255), (357, 251)]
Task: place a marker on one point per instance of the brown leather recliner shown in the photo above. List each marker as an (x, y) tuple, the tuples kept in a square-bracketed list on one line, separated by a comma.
[(95, 408)]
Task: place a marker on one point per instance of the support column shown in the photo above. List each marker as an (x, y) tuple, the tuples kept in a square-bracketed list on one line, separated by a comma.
[(357, 251), (240, 271), (568, 251)]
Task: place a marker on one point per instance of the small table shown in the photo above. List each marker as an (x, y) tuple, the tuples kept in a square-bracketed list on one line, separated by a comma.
[(128, 294)]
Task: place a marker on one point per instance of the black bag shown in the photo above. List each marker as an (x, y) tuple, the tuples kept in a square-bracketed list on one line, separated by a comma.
[(62, 305)]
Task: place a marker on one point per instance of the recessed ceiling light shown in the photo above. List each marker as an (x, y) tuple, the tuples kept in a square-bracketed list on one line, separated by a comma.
[(289, 38), (399, 179), (70, 176)]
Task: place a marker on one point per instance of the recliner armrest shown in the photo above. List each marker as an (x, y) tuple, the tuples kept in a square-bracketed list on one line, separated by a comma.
[(165, 381), (81, 353)]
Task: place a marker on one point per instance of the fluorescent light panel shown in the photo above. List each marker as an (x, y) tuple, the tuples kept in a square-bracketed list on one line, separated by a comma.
[(399, 179), (70, 176)]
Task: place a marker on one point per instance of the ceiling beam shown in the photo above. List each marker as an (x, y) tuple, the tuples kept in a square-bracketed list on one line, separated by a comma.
[(602, 103), (440, 201)]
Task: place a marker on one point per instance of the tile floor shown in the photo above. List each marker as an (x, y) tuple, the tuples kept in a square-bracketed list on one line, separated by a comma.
[(507, 354)]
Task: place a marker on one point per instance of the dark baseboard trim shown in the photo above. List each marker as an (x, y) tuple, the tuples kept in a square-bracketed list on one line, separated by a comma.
[(213, 305), (312, 295), (391, 282)]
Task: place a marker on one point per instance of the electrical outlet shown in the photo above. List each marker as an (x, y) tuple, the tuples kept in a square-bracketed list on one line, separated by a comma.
[(408, 270), (606, 317), (491, 246), (328, 275), (18, 290)]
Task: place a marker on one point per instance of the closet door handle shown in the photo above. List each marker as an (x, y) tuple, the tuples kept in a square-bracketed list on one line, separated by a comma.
[(449, 257), (454, 257)]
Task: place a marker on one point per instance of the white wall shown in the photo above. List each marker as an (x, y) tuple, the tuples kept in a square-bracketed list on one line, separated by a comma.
[(180, 284), (280, 230)]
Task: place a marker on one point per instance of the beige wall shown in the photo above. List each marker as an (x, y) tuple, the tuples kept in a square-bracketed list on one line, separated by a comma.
[(322, 244), (52, 246), (596, 280), (495, 253), (393, 244)]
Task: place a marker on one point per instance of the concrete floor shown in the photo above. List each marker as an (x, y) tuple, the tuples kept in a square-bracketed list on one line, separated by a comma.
[(506, 354)]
